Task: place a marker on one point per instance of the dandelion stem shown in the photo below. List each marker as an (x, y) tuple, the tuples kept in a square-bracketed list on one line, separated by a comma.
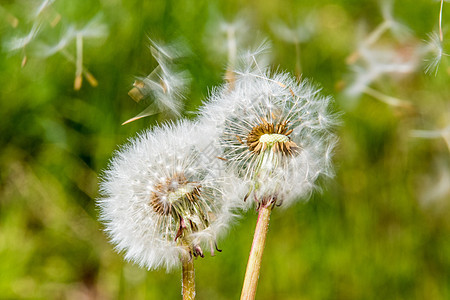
[(188, 283), (255, 258)]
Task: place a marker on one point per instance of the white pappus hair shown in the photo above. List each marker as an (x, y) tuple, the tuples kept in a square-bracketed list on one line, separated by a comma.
[(274, 132), (162, 199)]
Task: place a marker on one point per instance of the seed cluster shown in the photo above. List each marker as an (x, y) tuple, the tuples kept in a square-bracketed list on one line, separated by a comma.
[(182, 202), (167, 193), (267, 134)]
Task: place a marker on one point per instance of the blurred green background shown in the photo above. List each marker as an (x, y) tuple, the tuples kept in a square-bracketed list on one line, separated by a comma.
[(379, 230)]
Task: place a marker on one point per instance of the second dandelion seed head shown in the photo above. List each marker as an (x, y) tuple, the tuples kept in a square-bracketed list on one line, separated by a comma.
[(274, 132)]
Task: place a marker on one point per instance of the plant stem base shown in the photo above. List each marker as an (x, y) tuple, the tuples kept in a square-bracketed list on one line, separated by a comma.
[(255, 258), (188, 277)]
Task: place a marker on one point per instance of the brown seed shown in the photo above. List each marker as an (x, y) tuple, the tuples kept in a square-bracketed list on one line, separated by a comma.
[(258, 147)]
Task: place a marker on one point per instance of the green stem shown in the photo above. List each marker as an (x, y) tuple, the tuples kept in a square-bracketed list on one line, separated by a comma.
[(255, 258), (188, 278)]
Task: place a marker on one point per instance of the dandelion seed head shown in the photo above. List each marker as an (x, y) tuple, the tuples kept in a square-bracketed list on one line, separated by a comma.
[(155, 215), (270, 133)]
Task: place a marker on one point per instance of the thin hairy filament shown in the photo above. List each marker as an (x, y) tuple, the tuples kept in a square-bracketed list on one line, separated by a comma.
[(377, 32), (90, 78), (441, 35), (386, 99)]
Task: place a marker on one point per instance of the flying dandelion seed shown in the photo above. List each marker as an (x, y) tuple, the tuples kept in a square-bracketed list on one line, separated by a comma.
[(434, 189), (399, 30), (18, 43), (226, 37), (435, 49), (296, 35), (433, 134), (66, 38), (165, 85), (300, 33), (43, 6), (373, 59), (94, 29)]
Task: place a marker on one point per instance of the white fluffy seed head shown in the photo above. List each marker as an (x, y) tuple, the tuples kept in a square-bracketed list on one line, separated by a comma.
[(162, 198), (274, 132)]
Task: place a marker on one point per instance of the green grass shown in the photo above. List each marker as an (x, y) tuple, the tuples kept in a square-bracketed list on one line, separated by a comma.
[(368, 235)]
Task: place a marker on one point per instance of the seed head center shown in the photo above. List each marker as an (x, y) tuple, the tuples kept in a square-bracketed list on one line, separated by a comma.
[(273, 138), (170, 194), (179, 193)]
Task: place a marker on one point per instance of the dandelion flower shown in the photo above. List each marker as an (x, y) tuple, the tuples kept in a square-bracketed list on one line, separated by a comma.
[(161, 199), (274, 132)]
